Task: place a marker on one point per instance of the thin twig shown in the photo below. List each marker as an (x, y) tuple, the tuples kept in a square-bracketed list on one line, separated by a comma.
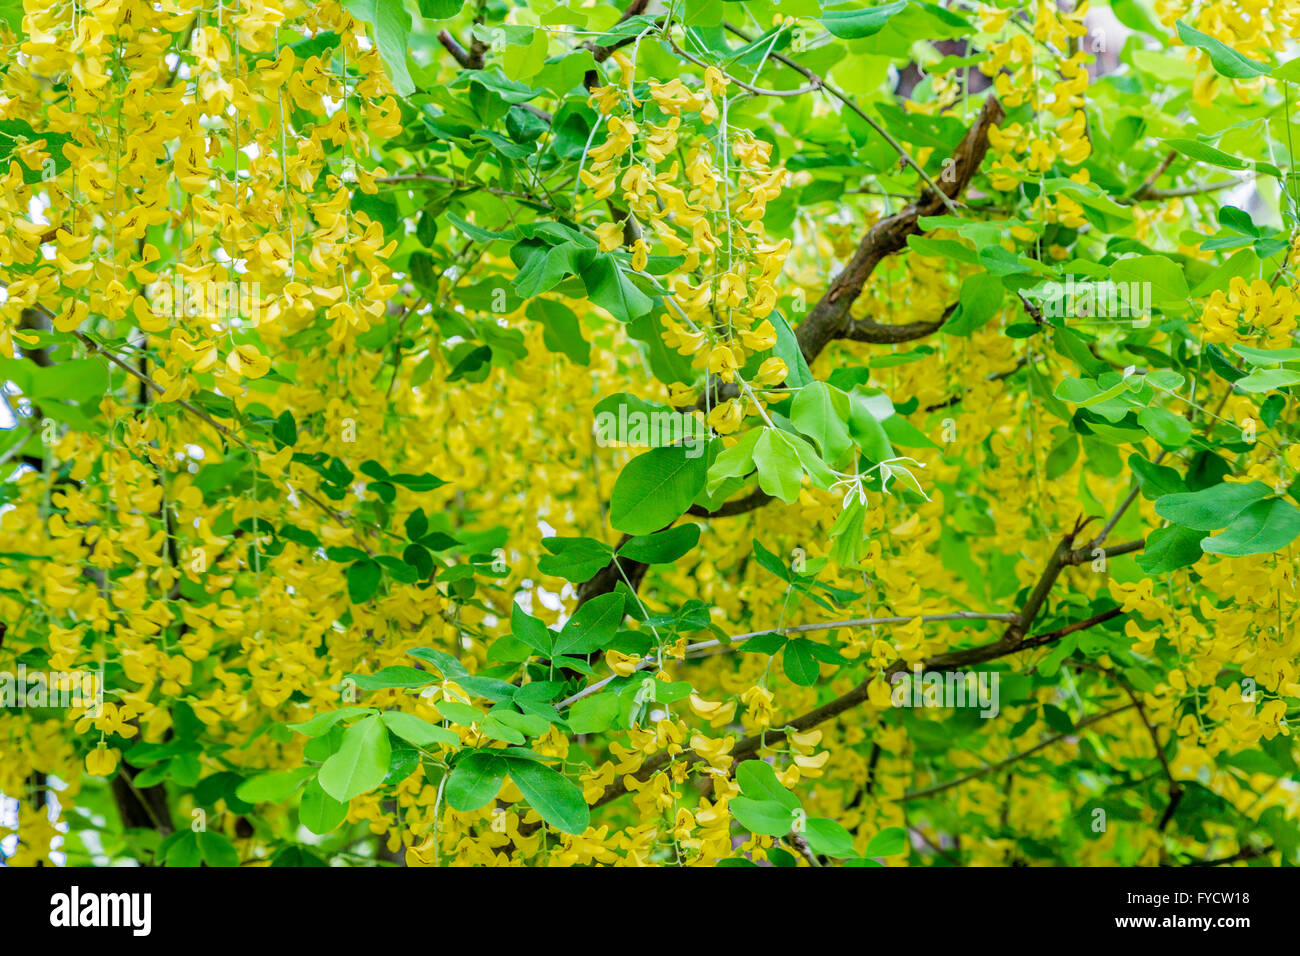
[(993, 768)]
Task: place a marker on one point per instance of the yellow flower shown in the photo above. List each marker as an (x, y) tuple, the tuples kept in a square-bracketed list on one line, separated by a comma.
[(247, 361), (102, 761), (773, 371), (724, 361), (725, 418), (622, 664)]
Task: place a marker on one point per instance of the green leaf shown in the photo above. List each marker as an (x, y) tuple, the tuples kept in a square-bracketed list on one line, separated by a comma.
[(574, 559), (593, 626), (780, 472), (1086, 393), (391, 26), (1172, 431), (440, 9), (395, 675), (829, 838), (216, 849), (477, 233), (561, 331), (799, 663), (1155, 480), (273, 787), (734, 462), (654, 489), (1212, 507), (543, 266), (662, 548), (888, 842), (557, 799), (1057, 719), (758, 781), (1289, 71), (360, 763), (321, 723), (363, 580), (821, 413), (1171, 548), (318, 811), (593, 715), (459, 713), (446, 665), (1227, 61), (1254, 356), (1168, 284), (764, 817), (1262, 528), (475, 780), (866, 430), (901, 432), (944, 249), (979, 300), (1267, 379), (491, 79), (423, 482), (787, 350), (417, 730), (76, 380), (530, 630), (184, 852), (856, 24), (1203, 152), (613, 291)]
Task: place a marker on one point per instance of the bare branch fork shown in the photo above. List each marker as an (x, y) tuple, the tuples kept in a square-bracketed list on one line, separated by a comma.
[(829, 318)]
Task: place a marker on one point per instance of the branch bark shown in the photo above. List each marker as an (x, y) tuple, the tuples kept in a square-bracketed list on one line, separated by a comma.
[(993, 768), (829, 318), (1011, 642)]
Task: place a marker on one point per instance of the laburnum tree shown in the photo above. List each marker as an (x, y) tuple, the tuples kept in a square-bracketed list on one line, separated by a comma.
[(554, 433)]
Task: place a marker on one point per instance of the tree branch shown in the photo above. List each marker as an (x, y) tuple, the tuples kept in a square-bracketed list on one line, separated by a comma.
[(829, 318), (1175, 788), (1011, 642), (993, 768)]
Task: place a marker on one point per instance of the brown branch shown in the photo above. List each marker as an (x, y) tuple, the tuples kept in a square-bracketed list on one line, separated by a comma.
[(1039, 640), (829, 318), (458, 52), (1083, 555), (866, 330), (755, 499), (1175, 788), (803, 849), (607, 579), (993, 768), (1011, 642), (603, 53), (1249, 853), (1149, 184)]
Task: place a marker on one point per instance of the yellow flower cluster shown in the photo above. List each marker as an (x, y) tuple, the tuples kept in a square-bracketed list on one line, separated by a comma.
[(1253, 312), (703, 201), (1021, 65)]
